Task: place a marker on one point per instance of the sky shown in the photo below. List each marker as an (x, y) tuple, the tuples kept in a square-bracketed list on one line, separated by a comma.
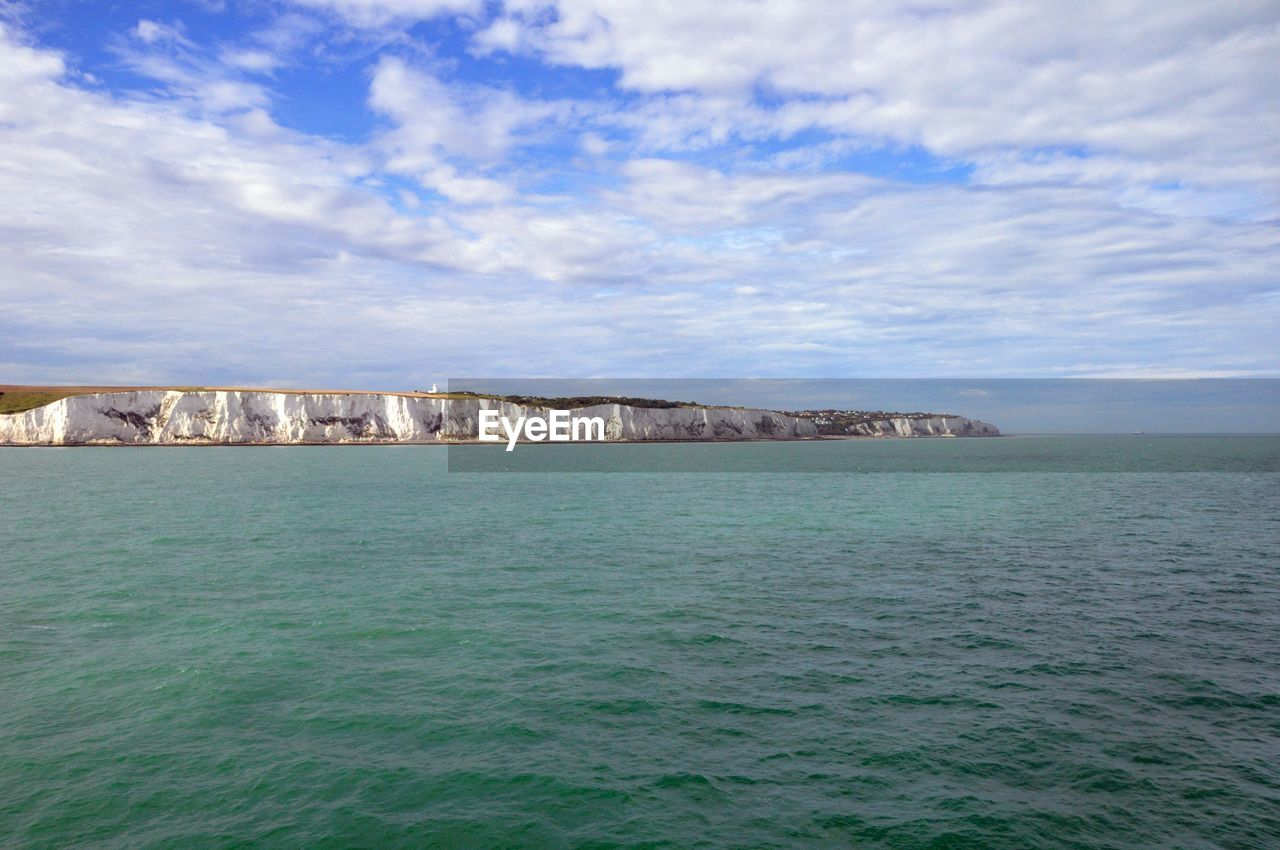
[(384, 193)]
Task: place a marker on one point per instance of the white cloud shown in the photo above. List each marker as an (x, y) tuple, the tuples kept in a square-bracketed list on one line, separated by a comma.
[(433, 117), (255, 61), (24, 65), (500, 34), (143, 240), (593, 144), (1160, 92), (381, 12), (151, 31), (162, 53), (438, 127)]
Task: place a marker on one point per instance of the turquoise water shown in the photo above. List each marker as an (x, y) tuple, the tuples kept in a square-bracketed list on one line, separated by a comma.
[(352, 647)]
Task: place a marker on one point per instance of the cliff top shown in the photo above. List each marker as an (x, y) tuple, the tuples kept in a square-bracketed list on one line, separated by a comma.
[(16, 398)]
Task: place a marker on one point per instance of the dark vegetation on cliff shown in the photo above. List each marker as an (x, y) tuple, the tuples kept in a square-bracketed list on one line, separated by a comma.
[(562, 402)]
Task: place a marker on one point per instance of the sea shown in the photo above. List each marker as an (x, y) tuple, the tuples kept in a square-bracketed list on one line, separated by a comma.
[(1023, 642)]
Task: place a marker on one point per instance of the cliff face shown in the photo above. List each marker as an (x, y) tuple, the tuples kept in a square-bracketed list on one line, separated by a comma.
[(170, 417), (929, 426)]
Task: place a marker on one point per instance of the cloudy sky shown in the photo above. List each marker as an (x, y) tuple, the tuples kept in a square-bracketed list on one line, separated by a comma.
[(383, 193)]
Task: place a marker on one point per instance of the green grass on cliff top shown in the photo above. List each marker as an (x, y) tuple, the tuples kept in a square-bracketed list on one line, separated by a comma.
[(17, 401)]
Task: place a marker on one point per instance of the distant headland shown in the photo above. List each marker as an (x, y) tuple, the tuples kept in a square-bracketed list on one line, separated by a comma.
[(188, 415)]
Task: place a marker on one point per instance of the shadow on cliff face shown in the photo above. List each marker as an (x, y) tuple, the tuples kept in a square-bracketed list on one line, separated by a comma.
[(144, 422)]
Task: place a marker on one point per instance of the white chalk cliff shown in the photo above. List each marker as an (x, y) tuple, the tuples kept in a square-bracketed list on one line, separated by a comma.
[(924, 426), (172, 417)]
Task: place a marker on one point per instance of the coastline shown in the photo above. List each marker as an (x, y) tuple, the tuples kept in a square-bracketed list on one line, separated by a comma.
[(195, 444), (204, 417)]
